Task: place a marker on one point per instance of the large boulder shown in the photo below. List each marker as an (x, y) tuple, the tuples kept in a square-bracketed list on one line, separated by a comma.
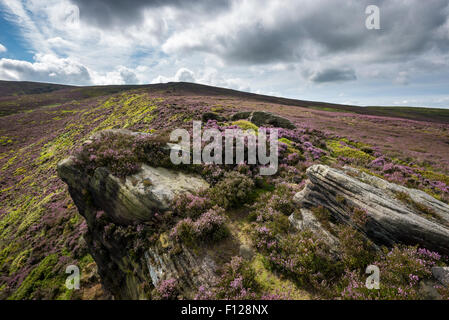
[(133, 199), (213, 116), (396, 214), (263, 118), (130, 265)]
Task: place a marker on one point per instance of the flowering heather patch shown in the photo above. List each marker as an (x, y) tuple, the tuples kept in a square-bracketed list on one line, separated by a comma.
[(121, 154), (303, 256), (401, 270), (189, 205), (237, 282), (210, 226), (302, 142), (168, 289), (412, 176), (233, 190), (307, 259)]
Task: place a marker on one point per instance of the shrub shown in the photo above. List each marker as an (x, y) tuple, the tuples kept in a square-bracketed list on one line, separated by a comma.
[(121, 153), (303, 256), (237, 282), (188, 205), (210, 226), (234, 190), (401, 270), (168, 289), (246, 125), (356, 251), (184, 232)]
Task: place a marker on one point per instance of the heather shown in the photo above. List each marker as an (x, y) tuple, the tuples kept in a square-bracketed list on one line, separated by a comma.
[(121, 154), (401, 268), (236, 282), (167, 289), (41, 231), (232, 191), (210, 226)]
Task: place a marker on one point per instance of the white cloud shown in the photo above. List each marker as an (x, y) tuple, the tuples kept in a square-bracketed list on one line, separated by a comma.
[(2, 48), (121, 75), (209, 76), (182, 75), (403, 78), (46, 67)]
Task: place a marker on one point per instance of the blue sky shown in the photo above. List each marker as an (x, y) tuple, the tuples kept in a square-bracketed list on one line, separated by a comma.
[(11, 38), (305, 49)]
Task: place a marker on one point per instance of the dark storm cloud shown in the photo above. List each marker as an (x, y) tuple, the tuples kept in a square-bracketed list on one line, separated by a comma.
[(408, 28), (108, 13), (333, 75)]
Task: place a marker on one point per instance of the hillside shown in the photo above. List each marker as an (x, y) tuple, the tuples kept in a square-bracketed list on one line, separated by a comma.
[(19, 96), (42, 231)]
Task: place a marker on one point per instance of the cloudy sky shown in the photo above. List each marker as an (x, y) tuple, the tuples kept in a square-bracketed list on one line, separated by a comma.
[(306, 49)]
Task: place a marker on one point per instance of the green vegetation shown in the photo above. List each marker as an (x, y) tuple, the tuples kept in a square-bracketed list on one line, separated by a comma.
[(42, 280), (246, 125), (340, 148), (234, 190)]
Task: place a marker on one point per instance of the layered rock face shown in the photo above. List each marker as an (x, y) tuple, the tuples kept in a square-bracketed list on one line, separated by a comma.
[(134, 199), (126, 203), (395, 214)]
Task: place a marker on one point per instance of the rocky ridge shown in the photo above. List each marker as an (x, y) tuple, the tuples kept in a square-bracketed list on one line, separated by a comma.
[(396, 214)]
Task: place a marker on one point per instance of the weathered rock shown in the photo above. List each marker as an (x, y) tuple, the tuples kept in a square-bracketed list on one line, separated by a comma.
[(390, 220), (262, 118), (241, 115), (212, 116), (190, 270), (128, 269), (135, 198), (307, 221), (441, 274), (246, 252)]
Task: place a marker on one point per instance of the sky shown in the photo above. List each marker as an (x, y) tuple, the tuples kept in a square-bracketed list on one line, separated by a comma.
[(317, 50)]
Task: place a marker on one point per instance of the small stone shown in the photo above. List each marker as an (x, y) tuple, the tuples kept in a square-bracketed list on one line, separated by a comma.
[(428, 291), (246, 252), (241, 115), (262, 118), (441, 274)]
